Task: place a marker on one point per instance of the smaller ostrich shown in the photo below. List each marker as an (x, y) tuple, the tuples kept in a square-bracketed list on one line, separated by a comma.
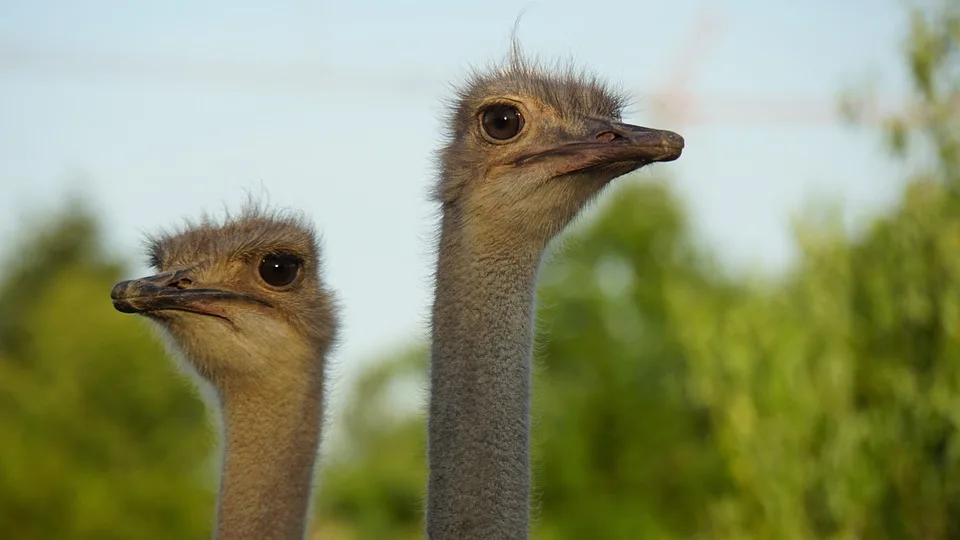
[(243, 302)]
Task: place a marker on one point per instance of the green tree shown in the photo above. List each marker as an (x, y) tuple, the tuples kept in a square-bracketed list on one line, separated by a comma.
[(835, 393), (622, 451), (100, 437), (373, 489)]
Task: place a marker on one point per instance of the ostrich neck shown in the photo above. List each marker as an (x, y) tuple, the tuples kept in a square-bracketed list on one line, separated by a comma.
[(270, 445), (479, 419)]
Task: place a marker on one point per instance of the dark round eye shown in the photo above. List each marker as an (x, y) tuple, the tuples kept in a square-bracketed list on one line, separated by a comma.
[(501, 122), (279, 269)]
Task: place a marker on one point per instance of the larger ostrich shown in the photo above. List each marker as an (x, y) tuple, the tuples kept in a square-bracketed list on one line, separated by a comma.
[(528, 148)]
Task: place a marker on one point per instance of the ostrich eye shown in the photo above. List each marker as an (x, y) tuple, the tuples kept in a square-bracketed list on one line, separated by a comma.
[(502, 122), (279, 269)]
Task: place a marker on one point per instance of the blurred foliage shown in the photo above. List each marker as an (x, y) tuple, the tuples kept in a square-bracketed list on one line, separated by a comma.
[(100, 437), (672, 400), (376, 483)]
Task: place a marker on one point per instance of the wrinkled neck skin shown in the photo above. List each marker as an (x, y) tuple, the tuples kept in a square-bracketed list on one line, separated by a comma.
[(479, 416), (271, 432)]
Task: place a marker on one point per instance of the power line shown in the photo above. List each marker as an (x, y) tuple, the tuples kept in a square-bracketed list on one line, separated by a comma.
[(306, 79), (675, 102)]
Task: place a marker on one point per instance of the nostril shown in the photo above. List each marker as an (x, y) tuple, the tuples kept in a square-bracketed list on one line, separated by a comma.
[(608, 136), (180, 283)]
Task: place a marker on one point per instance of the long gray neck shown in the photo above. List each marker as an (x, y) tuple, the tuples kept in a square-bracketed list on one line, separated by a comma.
[(479, 419), (270, 444)]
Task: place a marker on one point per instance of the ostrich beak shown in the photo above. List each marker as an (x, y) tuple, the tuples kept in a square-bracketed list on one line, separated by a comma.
[(610, 143), (167, 291)]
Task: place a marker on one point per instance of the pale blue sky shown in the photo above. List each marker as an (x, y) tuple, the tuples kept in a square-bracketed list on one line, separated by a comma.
[(163, 110)]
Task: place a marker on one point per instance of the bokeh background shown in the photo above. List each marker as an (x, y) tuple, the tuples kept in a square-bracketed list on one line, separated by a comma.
[(758, 341)]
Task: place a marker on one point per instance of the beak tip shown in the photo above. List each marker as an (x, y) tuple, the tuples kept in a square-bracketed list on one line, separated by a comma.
[(119, 297), (118, 290), (673, 139), (673, 145)]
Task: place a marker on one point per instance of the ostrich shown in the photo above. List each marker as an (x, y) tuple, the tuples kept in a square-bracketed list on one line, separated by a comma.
[(527, 148), (244, 303)]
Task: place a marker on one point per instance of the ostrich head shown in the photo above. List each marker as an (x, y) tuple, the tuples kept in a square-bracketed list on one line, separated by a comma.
[(528, 147), (242, 299)]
